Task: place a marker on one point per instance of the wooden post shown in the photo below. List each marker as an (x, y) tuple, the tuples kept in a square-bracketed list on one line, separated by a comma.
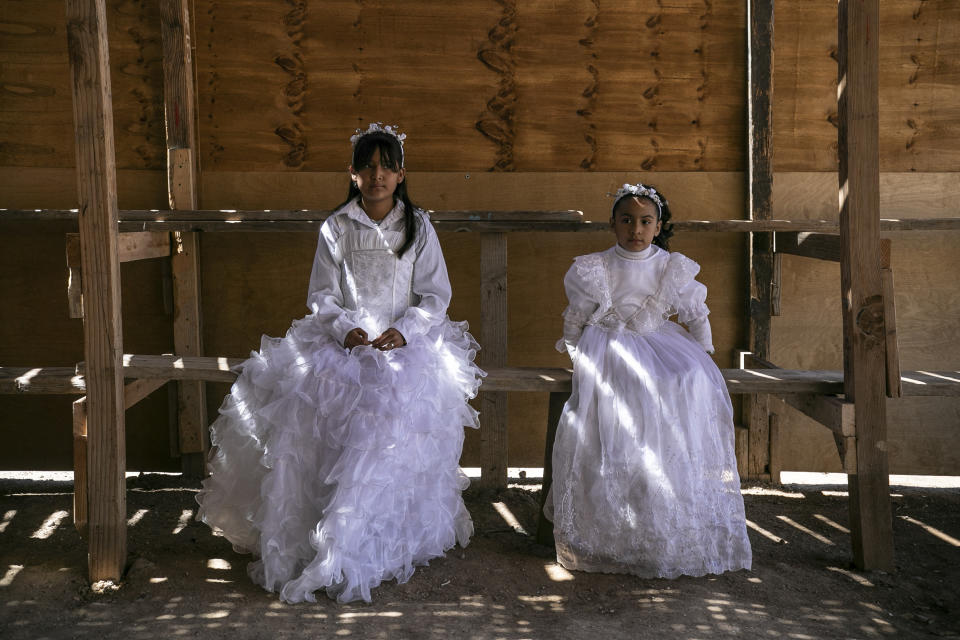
[(185, 259), (80, 495), (760, 192), (102, 328), (544, 527), (493, 332), (864, 336)]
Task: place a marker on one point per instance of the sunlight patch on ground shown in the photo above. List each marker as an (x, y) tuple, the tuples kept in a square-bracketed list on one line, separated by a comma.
[(185, 516), (11, 573), (799, 527), (896, 480), (853, 576), (932, 531), (137, 517), (828, 521), (7, 517), (770, 491), (508, 517), (218, 563), (765, 533), (50, 525), (557, 573)]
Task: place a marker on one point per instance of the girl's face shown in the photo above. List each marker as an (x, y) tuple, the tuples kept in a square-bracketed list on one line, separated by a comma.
[(635, 223), (375, 181)]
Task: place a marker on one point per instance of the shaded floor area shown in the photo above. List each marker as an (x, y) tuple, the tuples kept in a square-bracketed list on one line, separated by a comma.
[(185, 582)]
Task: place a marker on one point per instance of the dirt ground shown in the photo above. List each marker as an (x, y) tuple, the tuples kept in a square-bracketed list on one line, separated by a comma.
[(183, 581)]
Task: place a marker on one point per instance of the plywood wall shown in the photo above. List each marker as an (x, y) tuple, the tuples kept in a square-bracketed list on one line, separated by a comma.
[(508, 104), (512, 85)]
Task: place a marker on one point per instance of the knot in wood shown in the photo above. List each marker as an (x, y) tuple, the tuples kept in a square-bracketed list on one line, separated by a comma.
[(870, 318)]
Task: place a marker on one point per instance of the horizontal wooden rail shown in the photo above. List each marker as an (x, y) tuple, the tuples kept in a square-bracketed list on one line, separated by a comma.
[(130, 247), (65, 220), (69, 380)]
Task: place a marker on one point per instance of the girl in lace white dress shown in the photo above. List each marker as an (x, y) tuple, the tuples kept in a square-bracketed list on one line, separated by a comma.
[(644, 474), (335, 456)]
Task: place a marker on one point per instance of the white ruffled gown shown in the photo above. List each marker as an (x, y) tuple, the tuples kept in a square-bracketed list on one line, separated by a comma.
[(339, 469), (644, 473)]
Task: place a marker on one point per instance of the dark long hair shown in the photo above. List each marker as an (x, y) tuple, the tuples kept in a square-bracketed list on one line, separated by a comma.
[(662, 239), (391, 157)]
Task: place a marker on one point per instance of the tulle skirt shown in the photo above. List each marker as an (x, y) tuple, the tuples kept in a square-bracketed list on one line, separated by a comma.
[(339, 470), (644, 474)]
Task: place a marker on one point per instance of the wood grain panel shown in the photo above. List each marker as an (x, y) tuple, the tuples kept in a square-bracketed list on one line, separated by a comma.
[(919, 85), (527, 85), (36, 117), (136, 70), (672, 86)]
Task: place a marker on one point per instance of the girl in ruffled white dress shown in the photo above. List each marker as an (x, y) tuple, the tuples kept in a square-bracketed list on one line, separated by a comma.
[(644, 473), (335, 456)]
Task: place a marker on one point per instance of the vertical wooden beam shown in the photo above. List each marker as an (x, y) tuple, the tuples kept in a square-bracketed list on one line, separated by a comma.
[(179, 114), (760, 199), (776, 465), (861, 291), (544, 527), (493, 331), (177, 74), (102, 327), (894, 385), (80, 495), (74, 292), (187, 334)]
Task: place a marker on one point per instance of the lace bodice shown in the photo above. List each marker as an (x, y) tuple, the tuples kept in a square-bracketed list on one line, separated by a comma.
[(636, 292), (359, 281)]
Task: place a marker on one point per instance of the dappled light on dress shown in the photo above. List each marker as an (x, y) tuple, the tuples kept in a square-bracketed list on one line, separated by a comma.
[(644, 474)]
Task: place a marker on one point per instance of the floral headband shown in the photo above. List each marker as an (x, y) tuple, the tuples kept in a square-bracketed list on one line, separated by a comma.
[(639, 190), (379, 127)]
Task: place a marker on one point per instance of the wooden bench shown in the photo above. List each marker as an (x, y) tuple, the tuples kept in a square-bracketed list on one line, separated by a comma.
[(816, 393)]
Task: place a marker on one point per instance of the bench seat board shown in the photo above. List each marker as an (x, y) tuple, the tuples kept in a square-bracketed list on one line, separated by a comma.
[(69, 380)]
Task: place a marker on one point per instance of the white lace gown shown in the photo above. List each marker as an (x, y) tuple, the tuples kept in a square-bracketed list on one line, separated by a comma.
[(339, 469), (644, 473)]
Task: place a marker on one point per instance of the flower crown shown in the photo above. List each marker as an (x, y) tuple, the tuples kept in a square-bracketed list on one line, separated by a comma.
[(640, 190), (379, 127)]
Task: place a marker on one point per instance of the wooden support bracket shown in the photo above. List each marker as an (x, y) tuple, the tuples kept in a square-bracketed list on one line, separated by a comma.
[(833, 412), (137, 390), (821, 246), (131, 246)]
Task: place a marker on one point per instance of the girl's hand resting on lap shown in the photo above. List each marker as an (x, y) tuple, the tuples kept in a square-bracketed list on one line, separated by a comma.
[(355, 338), (389, 339)]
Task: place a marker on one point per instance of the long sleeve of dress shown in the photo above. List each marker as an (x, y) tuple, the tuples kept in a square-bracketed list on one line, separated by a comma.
[(581, 305), (430, 284), (325, 299), (693, 312)]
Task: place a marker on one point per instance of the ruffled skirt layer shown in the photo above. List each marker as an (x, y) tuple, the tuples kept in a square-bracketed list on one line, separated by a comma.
[(645, 476), (340, 469)]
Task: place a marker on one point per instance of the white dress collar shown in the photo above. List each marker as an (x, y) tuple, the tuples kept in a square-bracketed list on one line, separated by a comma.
[(355, 212), (635, 255)]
